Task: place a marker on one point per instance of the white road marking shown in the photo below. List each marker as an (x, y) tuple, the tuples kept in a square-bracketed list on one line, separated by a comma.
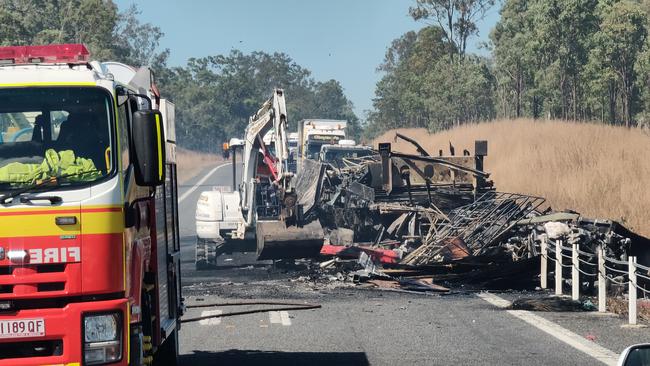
[(592, 349), (279, 317), (211, 321), (200, 182)]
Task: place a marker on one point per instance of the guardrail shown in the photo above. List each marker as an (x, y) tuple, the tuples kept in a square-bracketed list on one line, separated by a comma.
[(604, 269)]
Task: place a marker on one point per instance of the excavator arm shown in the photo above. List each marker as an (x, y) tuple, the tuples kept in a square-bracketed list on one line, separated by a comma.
[(263, 207), (269, 121), (269, 205)]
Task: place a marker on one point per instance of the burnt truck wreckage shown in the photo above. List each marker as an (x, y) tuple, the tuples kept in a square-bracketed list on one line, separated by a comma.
[(404, 215), (390, 215)]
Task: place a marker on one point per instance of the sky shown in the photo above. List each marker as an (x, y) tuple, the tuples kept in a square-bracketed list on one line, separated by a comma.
[(336, 39)]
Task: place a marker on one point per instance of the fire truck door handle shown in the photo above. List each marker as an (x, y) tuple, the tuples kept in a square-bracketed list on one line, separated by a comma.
[(30, 199)]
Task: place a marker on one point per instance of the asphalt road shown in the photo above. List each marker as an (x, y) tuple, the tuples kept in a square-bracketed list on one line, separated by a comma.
[(366, 327)]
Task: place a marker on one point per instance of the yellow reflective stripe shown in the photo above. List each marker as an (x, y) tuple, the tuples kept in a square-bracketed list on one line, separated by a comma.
[(36, 225), (44, 225), (102, 222), (41, 222), (46, 83), (160, 159), (64, 364), (128, 326)]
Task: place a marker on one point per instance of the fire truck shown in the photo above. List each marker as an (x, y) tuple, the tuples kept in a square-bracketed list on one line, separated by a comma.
[(89, 241)]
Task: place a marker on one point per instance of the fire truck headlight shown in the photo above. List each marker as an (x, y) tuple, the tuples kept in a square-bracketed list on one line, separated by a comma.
[(102, 338)]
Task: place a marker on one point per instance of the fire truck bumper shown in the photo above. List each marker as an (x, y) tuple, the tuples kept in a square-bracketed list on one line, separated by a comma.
[(56, 336)]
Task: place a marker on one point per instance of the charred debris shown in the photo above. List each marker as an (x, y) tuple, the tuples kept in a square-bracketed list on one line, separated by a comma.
[(417, 221)]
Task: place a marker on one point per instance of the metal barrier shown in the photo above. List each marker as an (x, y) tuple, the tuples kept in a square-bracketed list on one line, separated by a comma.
[(605, 269)]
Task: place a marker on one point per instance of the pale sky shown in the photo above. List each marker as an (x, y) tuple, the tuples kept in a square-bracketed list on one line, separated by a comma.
[(336, 39)]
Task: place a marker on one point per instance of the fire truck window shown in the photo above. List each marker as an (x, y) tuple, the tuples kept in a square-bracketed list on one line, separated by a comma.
[(54, 131), (123, 129)]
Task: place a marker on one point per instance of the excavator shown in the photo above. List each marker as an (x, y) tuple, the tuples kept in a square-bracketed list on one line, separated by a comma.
[(265, 212)]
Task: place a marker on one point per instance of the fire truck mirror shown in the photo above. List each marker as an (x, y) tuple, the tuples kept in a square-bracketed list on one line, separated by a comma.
[(149, 147)]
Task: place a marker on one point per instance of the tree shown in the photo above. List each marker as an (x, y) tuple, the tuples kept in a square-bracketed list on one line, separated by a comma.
[(455, 18), (618, 45), (215, 96), (422, 87), (572, 59), (137, 43), (60, 21), (510, 38), (108, 34)]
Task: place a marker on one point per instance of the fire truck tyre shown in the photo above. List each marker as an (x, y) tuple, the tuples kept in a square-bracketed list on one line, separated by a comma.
[(137, 347), (167, 354)]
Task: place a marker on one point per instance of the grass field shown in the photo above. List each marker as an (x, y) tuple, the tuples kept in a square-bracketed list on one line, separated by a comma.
[(599, 171), (190, 163)]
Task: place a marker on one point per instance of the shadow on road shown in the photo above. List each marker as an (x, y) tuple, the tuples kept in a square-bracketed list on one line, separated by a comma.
[(267, 358)]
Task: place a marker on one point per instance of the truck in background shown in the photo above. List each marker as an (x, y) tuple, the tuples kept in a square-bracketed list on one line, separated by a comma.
[(293, 152), (345, 149), (89, 241), (314, 133)]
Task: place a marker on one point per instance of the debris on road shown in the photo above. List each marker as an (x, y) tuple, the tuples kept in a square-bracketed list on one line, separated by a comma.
[(552, 303), (414, 222), (406, 216)]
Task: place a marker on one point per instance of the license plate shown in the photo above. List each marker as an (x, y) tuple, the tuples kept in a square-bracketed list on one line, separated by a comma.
[(22, 328)]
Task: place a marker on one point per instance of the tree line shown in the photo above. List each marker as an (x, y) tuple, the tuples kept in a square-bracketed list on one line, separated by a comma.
[(214, 95), (567, 59), (586, 60)]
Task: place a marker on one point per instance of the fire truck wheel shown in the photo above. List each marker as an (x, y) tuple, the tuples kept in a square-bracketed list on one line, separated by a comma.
[(167, 354)]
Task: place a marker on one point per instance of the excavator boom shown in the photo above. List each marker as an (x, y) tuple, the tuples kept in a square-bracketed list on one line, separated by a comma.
[(267, 209)]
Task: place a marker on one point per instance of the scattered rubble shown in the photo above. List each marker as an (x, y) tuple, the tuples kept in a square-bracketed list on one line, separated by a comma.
[(417, 222)]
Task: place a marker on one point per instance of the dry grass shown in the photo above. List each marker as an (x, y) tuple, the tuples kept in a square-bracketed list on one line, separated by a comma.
[(599, 171), (619, 305), (190, 163)]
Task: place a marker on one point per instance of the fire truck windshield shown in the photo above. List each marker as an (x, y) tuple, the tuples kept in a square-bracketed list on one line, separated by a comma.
[(54, 132)]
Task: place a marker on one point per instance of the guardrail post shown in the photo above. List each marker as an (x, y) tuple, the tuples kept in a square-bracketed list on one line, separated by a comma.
[(602, 282), (631, 289), (558, 267), (575, 275), (544, 263)]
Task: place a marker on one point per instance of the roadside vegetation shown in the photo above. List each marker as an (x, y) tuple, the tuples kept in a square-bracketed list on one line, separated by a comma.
[(567, 59), (214, 94), (598, 170)]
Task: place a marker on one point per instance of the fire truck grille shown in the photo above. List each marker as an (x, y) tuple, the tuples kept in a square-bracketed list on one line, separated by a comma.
[(31, 349), (26, 280)]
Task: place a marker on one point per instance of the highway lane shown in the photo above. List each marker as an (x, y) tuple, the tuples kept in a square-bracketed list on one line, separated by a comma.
[(359, 327)]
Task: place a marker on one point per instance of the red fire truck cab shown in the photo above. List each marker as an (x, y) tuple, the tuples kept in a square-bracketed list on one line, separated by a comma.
[(89, 242)]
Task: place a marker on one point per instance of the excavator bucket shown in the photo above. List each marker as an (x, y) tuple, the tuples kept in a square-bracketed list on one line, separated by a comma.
[(275, 240)]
